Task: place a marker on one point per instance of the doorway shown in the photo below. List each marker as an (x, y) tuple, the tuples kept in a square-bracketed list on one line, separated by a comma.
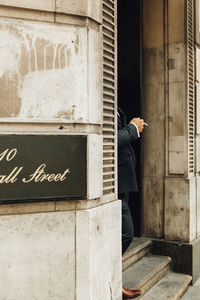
[(129, 83)]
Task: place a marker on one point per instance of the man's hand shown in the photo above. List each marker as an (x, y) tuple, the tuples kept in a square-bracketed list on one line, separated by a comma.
[(139, 122)]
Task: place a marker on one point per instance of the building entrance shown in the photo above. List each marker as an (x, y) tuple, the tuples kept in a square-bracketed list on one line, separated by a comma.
[(129, 86)]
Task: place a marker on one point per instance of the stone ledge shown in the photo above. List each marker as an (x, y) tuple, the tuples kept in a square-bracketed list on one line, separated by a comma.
[(79, 205), (83, 21), (45, 5), (48, 128), (87, 8), (185, 256), (45, 16), (54, 206), (26, 208), (26, 14)]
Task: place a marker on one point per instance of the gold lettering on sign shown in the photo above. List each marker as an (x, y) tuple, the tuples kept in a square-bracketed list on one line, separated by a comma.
[(12, 177), (39, 175), (8, 154)]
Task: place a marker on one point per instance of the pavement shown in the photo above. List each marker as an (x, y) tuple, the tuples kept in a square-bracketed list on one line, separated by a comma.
[(193, 292)]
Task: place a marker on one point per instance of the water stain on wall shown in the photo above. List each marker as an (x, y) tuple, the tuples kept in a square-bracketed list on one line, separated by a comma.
[(42, 71)]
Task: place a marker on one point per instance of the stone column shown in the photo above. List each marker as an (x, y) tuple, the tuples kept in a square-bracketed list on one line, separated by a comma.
[(169, 186), (170, 151), (51, 83), (153, 112), (180, 182)]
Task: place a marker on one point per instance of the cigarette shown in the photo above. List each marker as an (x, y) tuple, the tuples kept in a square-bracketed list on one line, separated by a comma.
[(146, 124)]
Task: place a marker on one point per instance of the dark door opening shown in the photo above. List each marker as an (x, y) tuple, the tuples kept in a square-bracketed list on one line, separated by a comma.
[(129, 92)]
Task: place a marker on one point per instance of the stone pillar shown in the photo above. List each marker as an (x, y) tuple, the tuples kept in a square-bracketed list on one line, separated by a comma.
[(180, 182), (153, 112), (51, 83), (169, 186), (170, 150)]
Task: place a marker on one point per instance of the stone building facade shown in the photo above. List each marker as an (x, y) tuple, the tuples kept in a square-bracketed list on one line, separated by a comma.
[(51, 84), (58, 76)]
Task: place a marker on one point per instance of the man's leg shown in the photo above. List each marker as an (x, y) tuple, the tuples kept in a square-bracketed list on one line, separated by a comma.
[(127, 237), (127, 223)]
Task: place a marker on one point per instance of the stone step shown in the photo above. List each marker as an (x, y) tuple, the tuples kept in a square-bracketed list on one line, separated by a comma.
[(170, 287), (193, 292), (146, 272), (138, 248)]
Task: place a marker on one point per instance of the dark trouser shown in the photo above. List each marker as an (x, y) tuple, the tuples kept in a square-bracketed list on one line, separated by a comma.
[(127, 223)]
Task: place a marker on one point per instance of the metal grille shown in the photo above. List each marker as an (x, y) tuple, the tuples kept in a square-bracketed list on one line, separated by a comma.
[(190, 84), (109, 96)]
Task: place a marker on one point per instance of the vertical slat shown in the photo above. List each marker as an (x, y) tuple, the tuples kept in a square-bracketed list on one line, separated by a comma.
[(190, 85), (109, 96)]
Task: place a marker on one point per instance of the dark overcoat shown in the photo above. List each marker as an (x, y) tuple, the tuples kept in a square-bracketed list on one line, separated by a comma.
[(127, 133)]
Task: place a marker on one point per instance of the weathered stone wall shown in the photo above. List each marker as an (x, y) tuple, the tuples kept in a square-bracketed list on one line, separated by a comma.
[(51, 75), (61, 255), (46, 72), (169, 189)]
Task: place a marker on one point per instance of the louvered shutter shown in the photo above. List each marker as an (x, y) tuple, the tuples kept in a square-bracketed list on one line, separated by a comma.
[(109, 96), (190, 85), (197, 44)]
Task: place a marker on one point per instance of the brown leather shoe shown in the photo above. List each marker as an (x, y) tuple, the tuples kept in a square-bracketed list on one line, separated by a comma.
[(130, 294)]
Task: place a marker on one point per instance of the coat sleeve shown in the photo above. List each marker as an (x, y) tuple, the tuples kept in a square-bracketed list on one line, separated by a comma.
[(127, 134)]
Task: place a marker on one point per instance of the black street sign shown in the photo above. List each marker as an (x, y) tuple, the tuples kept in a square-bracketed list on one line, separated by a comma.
[(42, 167)]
